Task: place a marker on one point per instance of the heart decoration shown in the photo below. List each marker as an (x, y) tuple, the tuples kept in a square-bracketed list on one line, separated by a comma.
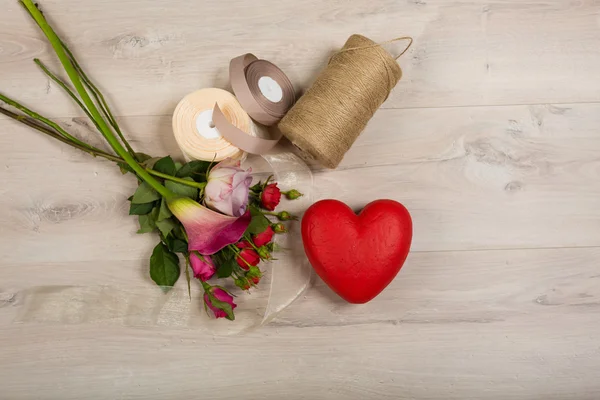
[(357, 255)]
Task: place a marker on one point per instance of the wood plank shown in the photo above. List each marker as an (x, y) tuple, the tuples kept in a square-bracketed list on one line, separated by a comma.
[(460, 325), (148, 55)]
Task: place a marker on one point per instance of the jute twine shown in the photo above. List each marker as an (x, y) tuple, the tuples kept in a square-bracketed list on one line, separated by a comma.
[(330, 116)]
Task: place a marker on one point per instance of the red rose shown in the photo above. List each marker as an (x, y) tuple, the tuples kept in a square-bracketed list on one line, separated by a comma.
[(247, 258), (264, 237), (255, 280), (243, 244), (270, 197)]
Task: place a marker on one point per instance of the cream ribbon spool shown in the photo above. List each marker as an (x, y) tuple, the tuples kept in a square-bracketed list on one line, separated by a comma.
[(210, 124), (196, 133)]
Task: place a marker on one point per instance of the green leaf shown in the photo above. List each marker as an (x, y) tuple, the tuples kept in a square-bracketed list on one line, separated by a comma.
[(149, 163), (140, 209), (181, 189), (125, 168), (258, 187), (144, 194), (193, 167), (164, 212), (164, 266), (258, 223), (166, 165), (166, 226), (178, 233), (226, 269), (179, 246), (178, 166), (142, 157), (174, 244), (147, 223)]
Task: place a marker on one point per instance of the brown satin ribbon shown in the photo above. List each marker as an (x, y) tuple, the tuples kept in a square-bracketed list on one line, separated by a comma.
[(240, 139), (244, 74)]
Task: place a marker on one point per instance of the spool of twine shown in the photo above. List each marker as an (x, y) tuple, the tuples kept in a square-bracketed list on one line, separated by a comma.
[(330, 116)]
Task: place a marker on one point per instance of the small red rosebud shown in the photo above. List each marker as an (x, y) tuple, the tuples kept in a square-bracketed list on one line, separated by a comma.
[(254, 275), (264, 237), (270, 197), (243, 283), (264, 253), (247, 258), (292, 194), (286, 216), (279, 228), (243, 244)]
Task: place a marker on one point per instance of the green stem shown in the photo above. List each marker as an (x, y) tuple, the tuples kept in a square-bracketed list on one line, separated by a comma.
[(234, 248), (66, 88), (100, 100), (249, 239), (33, 124), (90, 149), (42, 119), (76, 80), (175, 179)]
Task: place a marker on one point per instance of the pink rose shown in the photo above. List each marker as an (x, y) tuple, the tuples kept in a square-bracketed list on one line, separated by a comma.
[(225, 306), (227, 188), (203, 266)]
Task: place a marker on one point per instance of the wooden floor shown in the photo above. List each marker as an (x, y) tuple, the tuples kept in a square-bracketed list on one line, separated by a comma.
[(491, 140)]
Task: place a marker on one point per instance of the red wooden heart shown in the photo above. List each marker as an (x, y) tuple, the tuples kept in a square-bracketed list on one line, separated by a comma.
[(357, 255)]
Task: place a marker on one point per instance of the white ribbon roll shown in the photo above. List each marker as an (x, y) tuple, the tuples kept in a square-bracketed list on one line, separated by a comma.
[(195, 131)]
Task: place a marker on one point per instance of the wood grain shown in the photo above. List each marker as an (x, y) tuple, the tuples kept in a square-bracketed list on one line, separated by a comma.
[(482, 325), (491, 141), (149, 55)]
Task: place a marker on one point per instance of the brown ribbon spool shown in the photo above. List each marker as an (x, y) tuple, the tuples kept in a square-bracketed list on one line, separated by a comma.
[(264, 92)]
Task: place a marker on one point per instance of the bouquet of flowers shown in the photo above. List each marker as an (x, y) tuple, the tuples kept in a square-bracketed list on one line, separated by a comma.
[(208, 212)]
